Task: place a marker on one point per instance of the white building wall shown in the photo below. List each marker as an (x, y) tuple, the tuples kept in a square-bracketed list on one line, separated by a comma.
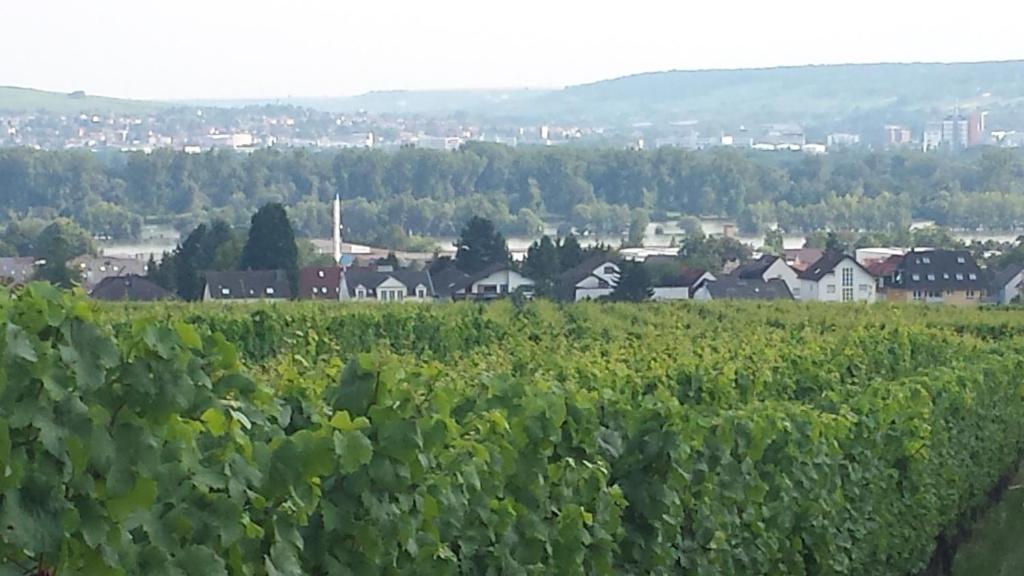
[(781, 271), (671, 293), (830, 287), (1010, 291), (507, 281)]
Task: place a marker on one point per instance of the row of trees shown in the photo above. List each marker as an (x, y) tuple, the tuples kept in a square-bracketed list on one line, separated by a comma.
[(390, 198)]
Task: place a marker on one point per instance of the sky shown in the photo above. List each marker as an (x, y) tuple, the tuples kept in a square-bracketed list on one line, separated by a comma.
[(180, 49)]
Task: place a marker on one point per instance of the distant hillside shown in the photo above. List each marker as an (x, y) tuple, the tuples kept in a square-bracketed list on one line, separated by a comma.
[(798, 94), (28, 100)]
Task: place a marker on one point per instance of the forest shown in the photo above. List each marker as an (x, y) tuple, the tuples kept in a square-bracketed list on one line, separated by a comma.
[(392, 198)]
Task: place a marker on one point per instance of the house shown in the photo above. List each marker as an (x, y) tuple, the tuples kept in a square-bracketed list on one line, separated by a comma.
[(884, 271), (736, 288), (16, 270), (386, 284), (596, 277), (769, 267), (446, 280), (129, 288), (320, 283), (94, 269), (495, 281), (247, 286), (938, 276), (837, 277), (1006, 286), (800, 259), (681, 286)]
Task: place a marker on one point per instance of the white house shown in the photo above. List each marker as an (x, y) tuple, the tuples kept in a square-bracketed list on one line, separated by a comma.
[(1006, 286), (681, 286), (837, 278), (769, 267), (385, 284), (593, 279), (495, 281)]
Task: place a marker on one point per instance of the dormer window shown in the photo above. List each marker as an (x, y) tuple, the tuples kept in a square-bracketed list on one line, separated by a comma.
[(270, 290), (320, 273), (916, 277), (959, 276), (225, 292), (961, 260), (945, 276), (323, 289), (421, 292), (926, 260), (931, 277), (360, 292), (609, 269), (973, 276)]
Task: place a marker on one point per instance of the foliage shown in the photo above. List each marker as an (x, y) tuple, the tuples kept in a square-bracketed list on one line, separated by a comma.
[(542, 265), (711, 253), (271, 244), (466, 439), (480, 246), (634, 283)]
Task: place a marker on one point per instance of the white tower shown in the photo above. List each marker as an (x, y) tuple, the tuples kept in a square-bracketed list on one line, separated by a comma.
[(337, 229)]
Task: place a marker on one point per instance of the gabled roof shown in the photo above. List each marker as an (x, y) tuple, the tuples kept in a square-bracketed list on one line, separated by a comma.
[(371, 279), (755, 268), (248, 285), (575, 275), (885, 268), (827, 264), (1003, 277), (686, 278), (319, 282), (734, 288), (129, 288), (471, 279), (939, 270), (446, 280), (802, 257)]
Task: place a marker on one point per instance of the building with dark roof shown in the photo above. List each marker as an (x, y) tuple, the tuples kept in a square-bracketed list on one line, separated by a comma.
[(1006, 285), (735, 288), (495, 281), (320, 283), (130, 288), (682, 285), (769, 267), (247, 286), (16, 270), (594, 278), (386, 284), (939, 277), (837, 277)]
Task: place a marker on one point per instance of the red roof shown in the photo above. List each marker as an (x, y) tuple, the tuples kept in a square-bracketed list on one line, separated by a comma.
[(884, 268), (319, 283)]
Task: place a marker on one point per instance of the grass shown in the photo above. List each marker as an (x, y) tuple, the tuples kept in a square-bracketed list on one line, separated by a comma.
[(22, 100), (996, 547)]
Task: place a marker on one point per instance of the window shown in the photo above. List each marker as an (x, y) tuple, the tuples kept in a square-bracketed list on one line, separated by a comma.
[(225, 292), (959, 276), (848, 277), (487, 288), (916, 277), (323, 289), (865, 288), (830, 289), (609, 269), (945, 276), (602, 283), (270, 290), (961, 260), (421, 292), (931, 277), (918, 295), (320, 273), (360, 292), (972, 276), (934, 294), (847, 294), (926, 260), (971, 295)]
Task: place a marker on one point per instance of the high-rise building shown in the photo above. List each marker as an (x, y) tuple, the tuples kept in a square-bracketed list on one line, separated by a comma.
[(955, 132), (976, 129), (898, 135)]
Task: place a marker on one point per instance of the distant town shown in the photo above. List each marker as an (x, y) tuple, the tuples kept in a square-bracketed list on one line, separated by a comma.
[(195, 130)]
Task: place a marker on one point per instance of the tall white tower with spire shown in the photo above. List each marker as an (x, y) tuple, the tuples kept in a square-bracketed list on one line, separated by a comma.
[(337, 229)]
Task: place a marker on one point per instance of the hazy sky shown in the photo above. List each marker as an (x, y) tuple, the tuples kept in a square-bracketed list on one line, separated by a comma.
[(271, 48)]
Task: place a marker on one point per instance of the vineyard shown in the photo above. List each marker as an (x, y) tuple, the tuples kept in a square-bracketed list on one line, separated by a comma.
[(318, 439)]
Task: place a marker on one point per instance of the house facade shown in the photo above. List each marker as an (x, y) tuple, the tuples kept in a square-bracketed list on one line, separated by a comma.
[(320, 283), (837, 278), (938, 277), (770, 267), (593, 279), (1006, 287), (493, 282), (385, 284), (735, 288), (130, 288), (92, 269), (246, 286)]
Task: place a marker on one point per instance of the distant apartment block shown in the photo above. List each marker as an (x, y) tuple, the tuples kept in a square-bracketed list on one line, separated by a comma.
[(842, 140)]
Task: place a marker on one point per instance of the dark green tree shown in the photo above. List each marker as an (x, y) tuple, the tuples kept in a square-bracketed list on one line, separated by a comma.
[(638, 222), (480, 246), (634, 283), (271, 244), (570, 254), (773, 242), (542, 265), (55, 250)]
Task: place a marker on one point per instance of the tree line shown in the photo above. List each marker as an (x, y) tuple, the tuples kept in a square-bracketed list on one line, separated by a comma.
[(392, 198)]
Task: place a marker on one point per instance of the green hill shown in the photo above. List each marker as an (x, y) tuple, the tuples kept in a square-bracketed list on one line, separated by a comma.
[(14, 99)]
